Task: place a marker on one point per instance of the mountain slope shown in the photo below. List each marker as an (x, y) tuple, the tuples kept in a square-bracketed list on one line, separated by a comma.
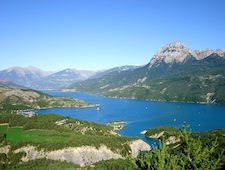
[(113, 71), (175, 73), (13, 97)]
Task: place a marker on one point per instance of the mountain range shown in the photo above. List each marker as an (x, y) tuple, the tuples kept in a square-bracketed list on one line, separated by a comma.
[(174, 73), (36, 78), (62, 79), (23, 76)]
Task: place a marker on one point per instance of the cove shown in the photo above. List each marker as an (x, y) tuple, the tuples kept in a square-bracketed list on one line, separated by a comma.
[(141, 114)]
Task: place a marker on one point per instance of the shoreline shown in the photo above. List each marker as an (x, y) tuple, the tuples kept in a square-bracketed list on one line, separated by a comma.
[(50, 107), (117, 125), (132, 98)]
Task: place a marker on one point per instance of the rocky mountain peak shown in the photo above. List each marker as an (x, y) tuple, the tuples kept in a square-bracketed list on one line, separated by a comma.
[(170, 53), (176, 44), (201, 54), (177, 52)]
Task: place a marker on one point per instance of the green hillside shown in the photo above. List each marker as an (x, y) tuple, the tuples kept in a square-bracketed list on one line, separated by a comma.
[(190, 81), (13, 97)]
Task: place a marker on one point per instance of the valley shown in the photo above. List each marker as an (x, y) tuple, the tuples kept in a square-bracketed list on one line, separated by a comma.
[(95, 132), (175, 73), (112, 85)]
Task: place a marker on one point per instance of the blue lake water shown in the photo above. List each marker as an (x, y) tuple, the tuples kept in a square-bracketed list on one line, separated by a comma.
[(141, 114)]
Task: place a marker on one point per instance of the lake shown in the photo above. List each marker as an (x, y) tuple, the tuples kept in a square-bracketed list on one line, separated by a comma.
[(142, 114)]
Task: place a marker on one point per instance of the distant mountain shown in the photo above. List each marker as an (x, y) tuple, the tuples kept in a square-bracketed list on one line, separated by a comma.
[(68, 76), (175, 73), (24, 76), (102, 80), (32, 77), (113, 71), (62, 78)]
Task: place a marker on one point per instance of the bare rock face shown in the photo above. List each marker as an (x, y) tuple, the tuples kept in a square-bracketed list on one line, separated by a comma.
[(177, 53), (201, 54), (143, 132), (172, 140), (210, 98), (173, 52), (5, 149), (137, 146), (31, 153), (83, 155), (78, 155), (157, 135)]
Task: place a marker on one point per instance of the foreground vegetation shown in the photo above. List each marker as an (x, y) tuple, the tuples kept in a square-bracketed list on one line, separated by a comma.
[(52, 132), (45, 164), (197, 151), (200, 151)]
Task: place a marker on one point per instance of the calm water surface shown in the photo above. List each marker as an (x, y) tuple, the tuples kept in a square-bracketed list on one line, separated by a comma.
[(141, 114)]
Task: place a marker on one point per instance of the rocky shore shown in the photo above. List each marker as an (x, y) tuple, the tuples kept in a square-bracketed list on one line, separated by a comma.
[(168, 135)]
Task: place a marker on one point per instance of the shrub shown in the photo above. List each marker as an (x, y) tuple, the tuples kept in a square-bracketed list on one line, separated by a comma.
[(191, 153)]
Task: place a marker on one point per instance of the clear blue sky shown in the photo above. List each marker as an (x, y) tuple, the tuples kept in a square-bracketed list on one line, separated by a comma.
[(97, 34)]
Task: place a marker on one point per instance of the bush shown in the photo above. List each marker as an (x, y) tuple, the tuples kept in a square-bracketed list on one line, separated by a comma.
[(191, 153), (2, 137)]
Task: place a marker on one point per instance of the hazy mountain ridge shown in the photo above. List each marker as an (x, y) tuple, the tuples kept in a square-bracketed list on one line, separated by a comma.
[(62, 78), (23, 75), (175, 73), (32, 77), (113, 71), (35, 78)]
